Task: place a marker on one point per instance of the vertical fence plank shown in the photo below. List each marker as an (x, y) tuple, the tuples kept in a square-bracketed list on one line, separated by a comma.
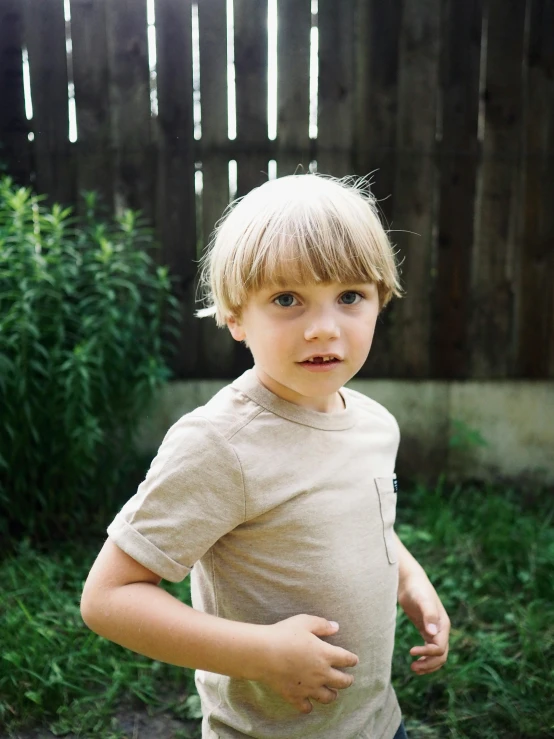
[(336, 88), (129, 96), (377, 49), (293, 96), (15, 148), (377, 36), (535, 341), (250, 24), (45, 38), (492, 291), (251, 86), (458, 162), (216, 346), (416, 183), (176, 205), (90, 74)]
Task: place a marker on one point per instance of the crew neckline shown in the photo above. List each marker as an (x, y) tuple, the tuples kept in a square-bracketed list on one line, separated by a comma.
[(249, 384)]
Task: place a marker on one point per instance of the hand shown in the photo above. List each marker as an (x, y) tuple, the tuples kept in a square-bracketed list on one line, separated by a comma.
[(301, 666), (420, 602)]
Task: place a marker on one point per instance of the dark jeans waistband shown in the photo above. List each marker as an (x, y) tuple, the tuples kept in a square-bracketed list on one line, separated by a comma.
[(401, 733)]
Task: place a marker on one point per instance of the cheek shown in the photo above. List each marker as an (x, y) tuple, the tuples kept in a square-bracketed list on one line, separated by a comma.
[(365, 329), (274, 337), (267, 335)]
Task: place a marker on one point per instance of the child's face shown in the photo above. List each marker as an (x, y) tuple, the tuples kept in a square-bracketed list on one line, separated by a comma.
[(286, 326)]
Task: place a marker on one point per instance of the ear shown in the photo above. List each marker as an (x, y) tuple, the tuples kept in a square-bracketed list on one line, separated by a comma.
[(236, 329)]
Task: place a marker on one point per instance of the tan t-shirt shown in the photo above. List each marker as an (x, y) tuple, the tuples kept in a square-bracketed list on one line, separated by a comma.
[(281, 510)]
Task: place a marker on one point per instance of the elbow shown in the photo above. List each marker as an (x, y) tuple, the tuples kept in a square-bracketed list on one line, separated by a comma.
[(87, 613), (91, 609)]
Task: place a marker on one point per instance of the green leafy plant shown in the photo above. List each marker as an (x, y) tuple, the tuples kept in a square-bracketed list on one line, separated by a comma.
[(82, 350)]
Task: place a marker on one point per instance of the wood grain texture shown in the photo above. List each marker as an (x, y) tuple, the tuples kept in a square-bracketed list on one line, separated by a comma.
[(293, 94), (335, 114), (377, 39), (461, 55), (15, 148), (129, 99), (376, 107), (491, 329), (176, 203), (90, 73), (45, 40), (535, 327), (250, 23), (416, 184)]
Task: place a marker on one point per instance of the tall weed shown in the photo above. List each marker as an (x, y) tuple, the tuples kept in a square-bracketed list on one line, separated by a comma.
[(82, 350)]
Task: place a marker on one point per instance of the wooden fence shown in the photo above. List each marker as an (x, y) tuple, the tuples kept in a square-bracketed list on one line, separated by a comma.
[(450, 102)]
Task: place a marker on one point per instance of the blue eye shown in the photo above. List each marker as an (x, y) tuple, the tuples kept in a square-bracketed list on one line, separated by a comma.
[(287, 299), (351, 295)]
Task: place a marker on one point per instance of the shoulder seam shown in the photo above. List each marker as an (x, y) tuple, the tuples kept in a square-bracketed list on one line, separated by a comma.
[(240, 426), (237, 427)]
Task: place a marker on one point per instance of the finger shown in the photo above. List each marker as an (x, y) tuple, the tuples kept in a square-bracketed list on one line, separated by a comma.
[(426, 670), (321, 627), (435, 669), (339, 680), (428, 664), (427, 650), (304, 706), (342, 658), (432, 626), (324, 695), (436, 625)]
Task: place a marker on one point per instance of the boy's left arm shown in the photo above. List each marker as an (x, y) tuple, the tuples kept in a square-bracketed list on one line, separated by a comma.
[(420, 602)]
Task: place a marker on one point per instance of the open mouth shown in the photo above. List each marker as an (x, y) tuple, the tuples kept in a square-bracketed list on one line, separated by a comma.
[(321, 360)]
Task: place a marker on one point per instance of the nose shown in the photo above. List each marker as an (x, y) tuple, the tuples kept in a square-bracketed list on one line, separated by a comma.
[(322, 325)]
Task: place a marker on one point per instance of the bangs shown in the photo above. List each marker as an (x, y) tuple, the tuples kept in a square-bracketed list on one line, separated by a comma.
[(301, 229), (324, 255)]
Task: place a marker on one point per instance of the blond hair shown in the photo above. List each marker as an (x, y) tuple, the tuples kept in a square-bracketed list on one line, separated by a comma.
[(300, 229)]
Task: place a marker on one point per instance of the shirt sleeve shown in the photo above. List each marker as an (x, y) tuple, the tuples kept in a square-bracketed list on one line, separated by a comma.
[(193, 494)]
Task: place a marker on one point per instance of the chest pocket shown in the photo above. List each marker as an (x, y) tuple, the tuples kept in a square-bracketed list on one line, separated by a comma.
[(386, 489)]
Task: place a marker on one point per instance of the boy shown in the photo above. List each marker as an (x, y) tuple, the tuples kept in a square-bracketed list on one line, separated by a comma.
[(280, 491)]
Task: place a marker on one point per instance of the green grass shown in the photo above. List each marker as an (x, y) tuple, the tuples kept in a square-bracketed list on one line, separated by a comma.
[(56, 672), (490, 556), (491, 559)]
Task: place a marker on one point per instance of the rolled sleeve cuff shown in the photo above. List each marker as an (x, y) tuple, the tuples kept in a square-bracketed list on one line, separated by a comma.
[(143, 551)]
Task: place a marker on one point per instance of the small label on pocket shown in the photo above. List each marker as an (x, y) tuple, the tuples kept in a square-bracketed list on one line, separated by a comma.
[(395, 483)]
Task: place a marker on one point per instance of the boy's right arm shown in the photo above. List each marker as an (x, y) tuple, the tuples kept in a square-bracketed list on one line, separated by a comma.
[(122, 602)]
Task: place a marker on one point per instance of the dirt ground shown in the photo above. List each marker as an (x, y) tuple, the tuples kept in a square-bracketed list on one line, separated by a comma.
[(136, 724)]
